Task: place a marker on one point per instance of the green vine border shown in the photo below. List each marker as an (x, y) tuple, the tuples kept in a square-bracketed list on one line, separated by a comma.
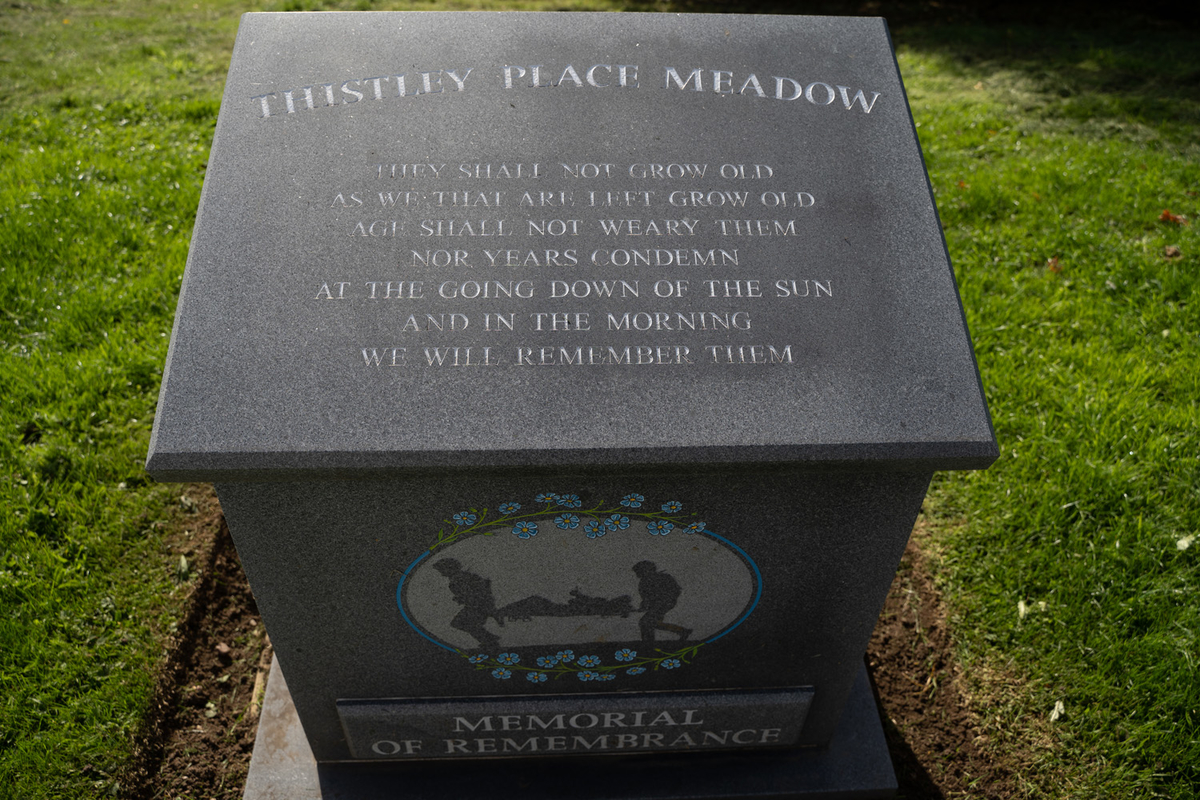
[(455, 529)]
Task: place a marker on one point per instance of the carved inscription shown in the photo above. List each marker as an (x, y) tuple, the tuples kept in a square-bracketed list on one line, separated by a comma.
[(443, 81), (603, 262), (599, 263), (611, 725), (522, 251)]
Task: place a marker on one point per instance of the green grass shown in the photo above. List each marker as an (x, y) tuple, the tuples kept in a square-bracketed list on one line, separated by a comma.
[(1058, 145), (1090, 369), (96, 201)]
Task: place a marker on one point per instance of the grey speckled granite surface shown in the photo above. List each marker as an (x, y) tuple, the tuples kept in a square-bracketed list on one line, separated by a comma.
[(553, 362), (372, 589), (777, 288), (855, 766)]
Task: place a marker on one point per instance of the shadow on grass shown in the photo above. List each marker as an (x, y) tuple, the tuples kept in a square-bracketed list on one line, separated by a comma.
[(1093, 61)]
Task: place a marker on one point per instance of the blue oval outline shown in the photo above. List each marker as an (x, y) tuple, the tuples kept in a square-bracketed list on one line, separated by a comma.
[(745, 614)]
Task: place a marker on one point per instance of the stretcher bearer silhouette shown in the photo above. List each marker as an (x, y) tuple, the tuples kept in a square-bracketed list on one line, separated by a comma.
[(474, 593), (659, 592)]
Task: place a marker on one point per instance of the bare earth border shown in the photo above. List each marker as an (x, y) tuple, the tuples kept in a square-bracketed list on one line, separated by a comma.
[(196, 744), (198, 737), (928, 720)]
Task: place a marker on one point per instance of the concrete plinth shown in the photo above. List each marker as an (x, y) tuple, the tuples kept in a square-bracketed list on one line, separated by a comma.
[(855, 765)]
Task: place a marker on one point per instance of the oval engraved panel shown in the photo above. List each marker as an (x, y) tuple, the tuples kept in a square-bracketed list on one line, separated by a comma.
[(563, 578)]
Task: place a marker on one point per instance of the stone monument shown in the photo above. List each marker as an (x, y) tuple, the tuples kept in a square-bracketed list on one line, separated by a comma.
[(570, 383)]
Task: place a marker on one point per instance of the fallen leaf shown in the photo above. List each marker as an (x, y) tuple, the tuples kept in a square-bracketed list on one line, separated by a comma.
[(1059, 710), (1172, 251), (223, 648), (1167, 216), (1052, 264)]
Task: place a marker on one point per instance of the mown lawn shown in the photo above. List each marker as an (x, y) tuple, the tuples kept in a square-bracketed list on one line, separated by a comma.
[(1072, 565), (1058, 160)]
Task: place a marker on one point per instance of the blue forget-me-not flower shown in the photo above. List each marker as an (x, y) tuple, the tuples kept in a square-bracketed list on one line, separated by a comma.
[(616, 522)]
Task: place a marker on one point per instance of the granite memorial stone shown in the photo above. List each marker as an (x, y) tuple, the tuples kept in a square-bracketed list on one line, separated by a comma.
[(570, 383)]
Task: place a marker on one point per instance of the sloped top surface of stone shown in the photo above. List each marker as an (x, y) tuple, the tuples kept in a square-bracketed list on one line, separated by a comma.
[(580, 240)]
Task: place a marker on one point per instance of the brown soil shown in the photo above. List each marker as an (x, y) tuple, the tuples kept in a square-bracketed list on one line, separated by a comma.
[(198, 742), (926, 715)]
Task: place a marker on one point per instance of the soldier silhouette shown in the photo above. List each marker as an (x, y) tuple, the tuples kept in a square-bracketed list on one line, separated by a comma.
[(474, 593), (659, 592)]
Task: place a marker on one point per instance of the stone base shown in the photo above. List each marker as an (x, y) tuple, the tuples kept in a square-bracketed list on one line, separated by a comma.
[(855, 765)]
